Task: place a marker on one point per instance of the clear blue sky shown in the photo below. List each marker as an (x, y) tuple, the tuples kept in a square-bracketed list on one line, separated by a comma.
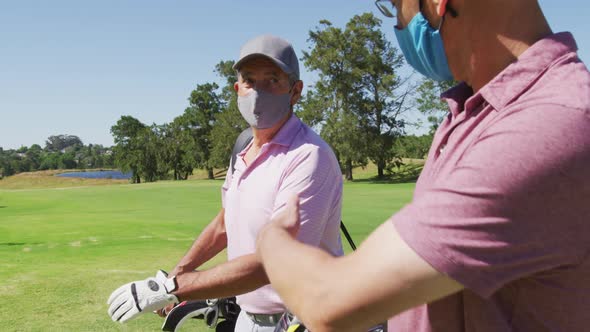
[(74, 67)]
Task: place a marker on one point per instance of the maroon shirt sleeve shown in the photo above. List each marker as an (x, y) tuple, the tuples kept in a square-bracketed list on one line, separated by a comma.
[(516, 204)]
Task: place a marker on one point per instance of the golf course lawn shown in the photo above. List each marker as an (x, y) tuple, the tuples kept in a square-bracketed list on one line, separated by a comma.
[(64, 250)]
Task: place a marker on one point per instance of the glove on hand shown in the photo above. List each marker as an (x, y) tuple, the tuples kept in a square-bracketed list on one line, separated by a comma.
[(138, 297)]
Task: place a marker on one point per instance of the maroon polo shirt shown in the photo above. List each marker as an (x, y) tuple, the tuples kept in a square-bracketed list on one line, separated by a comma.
[(503, 203)]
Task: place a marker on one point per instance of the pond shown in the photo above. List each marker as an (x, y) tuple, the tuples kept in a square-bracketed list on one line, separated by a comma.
[(97, 175)]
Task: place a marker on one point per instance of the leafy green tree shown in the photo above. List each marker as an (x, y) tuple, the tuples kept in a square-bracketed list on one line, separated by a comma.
[(97, 156), (311, 109), (178, 143), (67, 161), (128, 149), (61, 142), (340, 126), (429, 101), (50, 161), (359, 99), (150, 166), (34, 155), (7, 166), (14, 165), (34, 158), (201, 117), (412, 146), (90, 157), (386, 95), (331, 55)]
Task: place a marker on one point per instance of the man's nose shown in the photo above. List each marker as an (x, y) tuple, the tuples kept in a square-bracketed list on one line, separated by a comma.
[(260, 85)]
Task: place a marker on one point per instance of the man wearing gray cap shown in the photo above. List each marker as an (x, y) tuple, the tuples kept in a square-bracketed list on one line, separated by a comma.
[(284, 158)]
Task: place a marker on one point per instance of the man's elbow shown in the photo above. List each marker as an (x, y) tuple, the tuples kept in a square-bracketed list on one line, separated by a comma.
[(318, 314), (220, 233), (315, 320), (320, 323)]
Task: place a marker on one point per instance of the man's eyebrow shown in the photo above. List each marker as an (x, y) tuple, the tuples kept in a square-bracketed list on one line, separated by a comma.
[(271, 72)]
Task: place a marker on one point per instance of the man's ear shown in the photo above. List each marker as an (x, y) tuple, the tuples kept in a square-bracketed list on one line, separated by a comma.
[(441, 7), (297, 90), (236, 87)]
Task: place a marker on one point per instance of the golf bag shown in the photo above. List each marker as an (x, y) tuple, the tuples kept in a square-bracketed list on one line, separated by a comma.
[(212, 311), (290, 323)]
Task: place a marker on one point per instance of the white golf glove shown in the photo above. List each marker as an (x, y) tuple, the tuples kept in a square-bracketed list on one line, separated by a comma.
[(138, 297)]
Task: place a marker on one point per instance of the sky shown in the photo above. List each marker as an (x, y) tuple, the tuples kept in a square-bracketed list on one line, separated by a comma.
[(75, 67)]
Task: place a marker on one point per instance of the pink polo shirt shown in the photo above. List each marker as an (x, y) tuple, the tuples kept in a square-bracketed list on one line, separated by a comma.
[(298, 161), (503, 203)]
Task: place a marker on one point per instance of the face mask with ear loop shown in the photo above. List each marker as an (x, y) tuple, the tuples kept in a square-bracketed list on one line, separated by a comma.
[(423, 48), (263, 109)]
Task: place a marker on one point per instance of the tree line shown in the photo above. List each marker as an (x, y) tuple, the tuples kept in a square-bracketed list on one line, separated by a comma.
[(200, 138), (360, 104), (60, 152)]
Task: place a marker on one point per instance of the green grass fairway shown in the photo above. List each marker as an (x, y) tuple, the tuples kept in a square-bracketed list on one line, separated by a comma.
[(63, 251)]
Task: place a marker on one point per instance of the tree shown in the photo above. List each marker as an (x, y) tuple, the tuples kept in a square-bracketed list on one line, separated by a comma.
[(176, 142), (150, 166), (50, 161), (385, 94), (34, 155), (67, 161), (200, 118), (61, 142), (330, 56), (430, 103), (34, 158), (128, 151), (360, 96), (7, 169), (412, 146), (310, 109), (178, 146)]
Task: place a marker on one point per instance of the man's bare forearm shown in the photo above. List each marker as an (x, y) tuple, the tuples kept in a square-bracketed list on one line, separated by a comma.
[(293, 268), (351, 293), (238, 276)]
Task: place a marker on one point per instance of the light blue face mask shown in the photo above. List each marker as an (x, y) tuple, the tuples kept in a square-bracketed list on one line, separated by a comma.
[(423, 49)]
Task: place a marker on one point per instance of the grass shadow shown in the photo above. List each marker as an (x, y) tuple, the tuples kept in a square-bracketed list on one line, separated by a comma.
[(409, 173), (11, 244), (2, 206)]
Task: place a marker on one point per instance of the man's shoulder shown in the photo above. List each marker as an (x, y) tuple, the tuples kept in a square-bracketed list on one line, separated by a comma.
[(565, 84), (309, 142), (308, 148)]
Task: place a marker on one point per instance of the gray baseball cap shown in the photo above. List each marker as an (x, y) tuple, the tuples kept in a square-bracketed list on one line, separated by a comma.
[(274, 48)]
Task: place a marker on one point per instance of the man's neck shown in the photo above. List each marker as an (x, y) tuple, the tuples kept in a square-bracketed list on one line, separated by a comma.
[(263, 136), (500, 32)]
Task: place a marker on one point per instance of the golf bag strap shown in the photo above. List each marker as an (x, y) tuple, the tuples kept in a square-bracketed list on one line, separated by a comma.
[(242, 142), (347, 235)]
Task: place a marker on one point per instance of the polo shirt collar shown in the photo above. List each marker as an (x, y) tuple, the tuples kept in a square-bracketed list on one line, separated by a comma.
[(530, 65), (510, 83), (288, 131)]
